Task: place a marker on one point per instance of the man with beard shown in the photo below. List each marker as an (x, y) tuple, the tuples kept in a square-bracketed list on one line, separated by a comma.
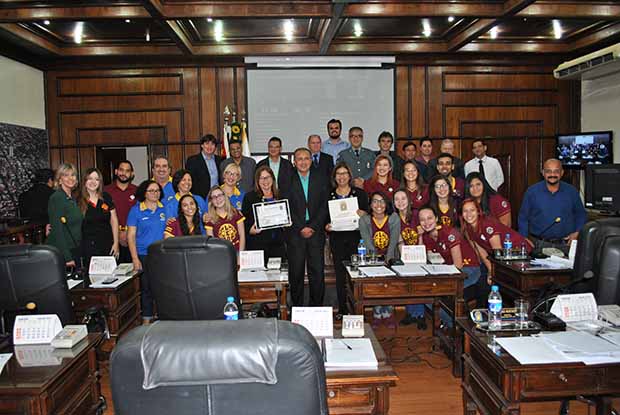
[(552, 212), (334, 144), (246, 164), (123, 193), (445, 167)]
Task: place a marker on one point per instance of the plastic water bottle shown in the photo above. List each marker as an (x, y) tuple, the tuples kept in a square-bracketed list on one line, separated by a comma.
[(231, 311), (495, 309), (507, 247), (361, 252)]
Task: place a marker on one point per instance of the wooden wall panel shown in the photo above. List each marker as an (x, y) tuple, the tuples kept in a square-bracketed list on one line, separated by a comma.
[(498, 82), (120, 85), (403, 94), (419, 102)]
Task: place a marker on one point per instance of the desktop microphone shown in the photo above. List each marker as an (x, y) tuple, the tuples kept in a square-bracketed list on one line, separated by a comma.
[(556, 220), (538, 246)]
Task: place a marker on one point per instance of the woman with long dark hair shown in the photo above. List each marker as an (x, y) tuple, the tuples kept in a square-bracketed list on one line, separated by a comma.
[(413, 183), (381, 180), (443, 201), (187, 221), (492, 203)]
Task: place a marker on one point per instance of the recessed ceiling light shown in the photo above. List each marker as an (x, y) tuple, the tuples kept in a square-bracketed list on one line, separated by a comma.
[(218, 31), (557, 29), (148, 34), (127, 21), (427, 28), (209, 19), (357, 29), (46, 22), (451, 19), (78, 31), (289, 29), (493, 32)]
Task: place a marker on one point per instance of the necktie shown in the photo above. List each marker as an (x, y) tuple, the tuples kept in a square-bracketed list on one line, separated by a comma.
[(357, 153), (315, 159), (481, 168)]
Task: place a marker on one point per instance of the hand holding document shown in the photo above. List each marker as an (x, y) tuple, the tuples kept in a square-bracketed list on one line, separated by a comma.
[(270, 215), (343, 214)]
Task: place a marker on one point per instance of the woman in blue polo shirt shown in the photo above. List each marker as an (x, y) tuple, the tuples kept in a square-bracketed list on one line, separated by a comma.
[(182, 185), (145, 224)]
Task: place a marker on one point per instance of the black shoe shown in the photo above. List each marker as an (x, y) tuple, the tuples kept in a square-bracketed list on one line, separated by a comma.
[(407, 320), (421, 322)]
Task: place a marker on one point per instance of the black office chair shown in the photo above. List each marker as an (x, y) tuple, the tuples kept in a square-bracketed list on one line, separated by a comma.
[(191, 277), (34, 273), (258, 367), (608, 278), (589, 248)]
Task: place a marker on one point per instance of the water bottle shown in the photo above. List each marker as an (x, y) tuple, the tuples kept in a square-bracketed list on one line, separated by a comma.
[(361, 252), (495, 309), (231, 311), (507, 247)]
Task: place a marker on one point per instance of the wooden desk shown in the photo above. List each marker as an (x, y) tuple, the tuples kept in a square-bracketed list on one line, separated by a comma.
[(273, 291), (70, 387), (121, 305), (498, 384), (362, 391), (365, 292), (517, 280)]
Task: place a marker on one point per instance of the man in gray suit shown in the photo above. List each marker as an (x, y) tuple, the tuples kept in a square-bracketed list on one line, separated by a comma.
[(360, 160)]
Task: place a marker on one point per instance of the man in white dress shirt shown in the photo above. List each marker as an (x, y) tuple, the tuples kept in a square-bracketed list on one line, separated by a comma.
[(487, 166)]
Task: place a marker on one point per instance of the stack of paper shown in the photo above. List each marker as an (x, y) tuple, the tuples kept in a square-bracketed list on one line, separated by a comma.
[(379, 271), (441, 269), (410, 270), (349, 353)]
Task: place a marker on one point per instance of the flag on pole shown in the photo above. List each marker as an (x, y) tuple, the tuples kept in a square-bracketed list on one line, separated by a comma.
[(245, 144), (225, 152)]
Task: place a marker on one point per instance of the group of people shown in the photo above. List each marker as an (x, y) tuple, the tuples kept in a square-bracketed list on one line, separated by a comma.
[(450, 206)]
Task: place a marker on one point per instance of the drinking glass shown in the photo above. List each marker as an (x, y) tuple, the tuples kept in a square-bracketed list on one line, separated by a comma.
[(355, 262), (522, 309)]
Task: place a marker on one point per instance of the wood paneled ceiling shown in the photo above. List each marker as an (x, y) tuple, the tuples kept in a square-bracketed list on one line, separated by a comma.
[(231, 28)]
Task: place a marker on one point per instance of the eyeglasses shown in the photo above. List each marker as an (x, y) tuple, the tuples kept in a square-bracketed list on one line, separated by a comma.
[(231, 173), (378, 201), (153, 191), (218, 196), (441, 186)]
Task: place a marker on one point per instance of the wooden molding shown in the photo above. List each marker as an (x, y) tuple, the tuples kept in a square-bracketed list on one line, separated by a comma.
[(571, 9), (423, 9), (30, 37), (471, 33), (329, 31), (173, 28), (237, 9), (27, 14), (611, 31), (514, 47)]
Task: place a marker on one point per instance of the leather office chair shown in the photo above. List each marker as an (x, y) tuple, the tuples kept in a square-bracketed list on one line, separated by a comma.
[(191, 277), (35, 273), (608, 278), (261, 366), (589, 248)]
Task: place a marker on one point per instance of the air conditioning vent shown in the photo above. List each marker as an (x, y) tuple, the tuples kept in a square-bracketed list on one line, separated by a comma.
[(594, 65)]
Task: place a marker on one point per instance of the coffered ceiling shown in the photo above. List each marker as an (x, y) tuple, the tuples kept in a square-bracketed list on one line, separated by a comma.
[(56, 30)]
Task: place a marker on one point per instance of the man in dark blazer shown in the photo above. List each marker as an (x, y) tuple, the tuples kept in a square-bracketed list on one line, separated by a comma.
[(305, 238), (281, 167), (204, 166), (322, 163)]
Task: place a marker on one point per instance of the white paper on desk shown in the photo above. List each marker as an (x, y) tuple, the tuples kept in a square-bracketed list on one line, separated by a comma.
[(441, 269), (577, 341), (118, 282), (73, 283), (350, 353), (409, 270), (102, 265), (4, 357), (575, 307), (530, 350), (343, 214), (613, 337), (379, 271), (252, 260), (413, 254), (252, 276), (551, 263), (318, 320)]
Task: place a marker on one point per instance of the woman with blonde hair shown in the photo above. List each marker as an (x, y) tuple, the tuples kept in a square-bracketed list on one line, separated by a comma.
[(223, 220), (232, 175), (381, 180), (65, 215), (100, 223)]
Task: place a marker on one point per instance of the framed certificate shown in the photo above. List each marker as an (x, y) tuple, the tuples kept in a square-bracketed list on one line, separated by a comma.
[(269, 215)]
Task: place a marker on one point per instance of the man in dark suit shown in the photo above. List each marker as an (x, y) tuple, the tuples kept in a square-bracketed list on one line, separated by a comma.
[(307, 197), (322, 163), (281, 167), (204, 166)]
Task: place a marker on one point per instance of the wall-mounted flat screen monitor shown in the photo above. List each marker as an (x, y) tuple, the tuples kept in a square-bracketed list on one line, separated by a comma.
[(580, 150)]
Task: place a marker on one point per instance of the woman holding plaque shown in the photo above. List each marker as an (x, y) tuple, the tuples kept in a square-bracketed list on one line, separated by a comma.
[(270, 241), (223, 220), (343, 244), (381, 231)]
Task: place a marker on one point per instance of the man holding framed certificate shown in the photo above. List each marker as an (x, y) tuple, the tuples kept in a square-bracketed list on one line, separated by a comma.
[(307, 197)]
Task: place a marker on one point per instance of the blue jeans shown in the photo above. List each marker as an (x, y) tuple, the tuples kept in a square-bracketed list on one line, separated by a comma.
[(415, 310), (383, 310), (473, 275)]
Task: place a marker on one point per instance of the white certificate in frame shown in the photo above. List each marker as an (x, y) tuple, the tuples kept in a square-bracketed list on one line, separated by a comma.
[(269, 215)]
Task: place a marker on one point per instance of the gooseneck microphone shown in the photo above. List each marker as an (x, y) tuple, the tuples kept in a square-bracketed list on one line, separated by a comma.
[(539, 245), (542, 234)]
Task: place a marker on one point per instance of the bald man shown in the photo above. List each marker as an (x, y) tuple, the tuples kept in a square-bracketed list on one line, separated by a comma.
[(552, 213)]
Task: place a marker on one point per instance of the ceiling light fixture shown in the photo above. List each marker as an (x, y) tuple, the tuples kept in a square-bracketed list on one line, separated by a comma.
[(493, 32), (46, 22), (209, 19), (427, 28), (78, 31), (557, 29), (218, 31), (451, 19), (289, 29), (148, 34), (357, 29), (127, 20)]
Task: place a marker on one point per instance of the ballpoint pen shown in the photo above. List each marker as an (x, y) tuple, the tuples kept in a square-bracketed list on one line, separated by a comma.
[(348, 347)]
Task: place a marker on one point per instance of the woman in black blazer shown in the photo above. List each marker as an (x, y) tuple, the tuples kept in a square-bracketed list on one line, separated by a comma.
[(271, 241)]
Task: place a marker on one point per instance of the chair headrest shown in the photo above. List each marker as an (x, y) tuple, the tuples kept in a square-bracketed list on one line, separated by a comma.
[(186, 242), (177, 353)]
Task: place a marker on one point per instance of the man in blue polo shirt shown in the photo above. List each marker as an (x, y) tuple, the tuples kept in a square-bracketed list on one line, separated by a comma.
[(552, 212)]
